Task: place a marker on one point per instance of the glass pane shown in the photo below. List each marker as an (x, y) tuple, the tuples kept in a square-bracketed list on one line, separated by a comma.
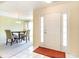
[(64, 29), (42, 29)]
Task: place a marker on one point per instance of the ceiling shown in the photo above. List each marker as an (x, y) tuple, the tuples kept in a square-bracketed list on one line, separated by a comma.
[(19, 9)]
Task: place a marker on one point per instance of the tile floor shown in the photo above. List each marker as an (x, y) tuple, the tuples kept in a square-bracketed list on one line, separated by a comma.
[(30, 54), (21, 50)]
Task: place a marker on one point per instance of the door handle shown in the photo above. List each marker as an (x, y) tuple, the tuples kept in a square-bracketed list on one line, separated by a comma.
[(45, 32)]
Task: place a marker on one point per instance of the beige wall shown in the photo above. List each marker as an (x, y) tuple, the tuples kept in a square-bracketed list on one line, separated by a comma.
[(72, 9), (9, 23), (73, 27)]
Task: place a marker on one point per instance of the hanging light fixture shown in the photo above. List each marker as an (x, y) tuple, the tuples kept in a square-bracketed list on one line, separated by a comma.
[(17, 14), (18, 21)]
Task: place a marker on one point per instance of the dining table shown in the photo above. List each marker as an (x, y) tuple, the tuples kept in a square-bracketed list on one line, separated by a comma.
[(19, 33)]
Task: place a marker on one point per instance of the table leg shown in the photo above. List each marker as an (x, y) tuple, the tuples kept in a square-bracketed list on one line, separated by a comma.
[(19, 36)]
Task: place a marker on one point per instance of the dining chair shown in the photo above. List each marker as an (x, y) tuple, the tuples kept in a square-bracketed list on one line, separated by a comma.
[(25, 36), (9, 37), (28, 34)]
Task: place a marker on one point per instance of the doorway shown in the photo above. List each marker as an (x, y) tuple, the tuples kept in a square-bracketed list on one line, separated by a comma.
[(54, 31)]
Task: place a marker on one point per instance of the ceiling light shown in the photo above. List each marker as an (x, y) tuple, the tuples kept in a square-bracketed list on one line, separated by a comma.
[(48, 1)]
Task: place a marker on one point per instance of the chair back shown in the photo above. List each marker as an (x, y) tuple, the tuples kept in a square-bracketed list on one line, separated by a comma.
[(28, 32), (8, 34)]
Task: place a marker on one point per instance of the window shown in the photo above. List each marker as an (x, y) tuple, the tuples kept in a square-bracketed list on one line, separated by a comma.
[(42, 29), (64, 29)]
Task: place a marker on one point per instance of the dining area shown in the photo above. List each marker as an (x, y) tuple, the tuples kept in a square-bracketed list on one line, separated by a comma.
[(15, 37)]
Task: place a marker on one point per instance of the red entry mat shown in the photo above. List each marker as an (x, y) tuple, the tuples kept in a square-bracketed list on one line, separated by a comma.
[(50, 52)]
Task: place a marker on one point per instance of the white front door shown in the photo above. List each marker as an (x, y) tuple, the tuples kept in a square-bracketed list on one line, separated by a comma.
[(52, 31)]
